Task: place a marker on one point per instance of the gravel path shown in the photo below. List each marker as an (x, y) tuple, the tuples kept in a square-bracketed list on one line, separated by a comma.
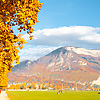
[(4, 96)]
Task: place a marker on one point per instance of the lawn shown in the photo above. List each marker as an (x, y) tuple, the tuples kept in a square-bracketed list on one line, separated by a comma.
[(52, 95)]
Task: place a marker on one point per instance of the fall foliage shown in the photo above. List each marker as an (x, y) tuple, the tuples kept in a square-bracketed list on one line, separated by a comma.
[(22, 13)]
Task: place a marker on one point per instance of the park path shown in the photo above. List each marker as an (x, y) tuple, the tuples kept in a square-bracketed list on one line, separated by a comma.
[(4, 96)]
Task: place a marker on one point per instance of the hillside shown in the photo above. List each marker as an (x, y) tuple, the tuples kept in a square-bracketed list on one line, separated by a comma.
[(67, 63)]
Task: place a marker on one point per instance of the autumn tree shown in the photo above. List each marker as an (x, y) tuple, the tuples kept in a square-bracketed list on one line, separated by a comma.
[(22, 13)]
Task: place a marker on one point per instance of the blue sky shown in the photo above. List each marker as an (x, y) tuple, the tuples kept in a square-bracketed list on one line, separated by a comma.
[(57, 13), (64, 23)]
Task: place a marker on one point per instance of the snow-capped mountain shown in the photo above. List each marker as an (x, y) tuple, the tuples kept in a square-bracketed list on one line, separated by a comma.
[(94, 53), (68, 63)]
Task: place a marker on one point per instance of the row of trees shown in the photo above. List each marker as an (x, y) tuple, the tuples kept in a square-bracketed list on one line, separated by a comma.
[(20, 13), (69, 86), (51, 86), (30, 86)]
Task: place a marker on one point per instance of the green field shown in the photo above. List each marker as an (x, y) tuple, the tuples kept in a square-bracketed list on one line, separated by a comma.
[(52, 95)]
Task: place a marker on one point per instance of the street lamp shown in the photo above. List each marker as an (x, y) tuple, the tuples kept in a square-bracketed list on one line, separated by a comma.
[(62, 84)]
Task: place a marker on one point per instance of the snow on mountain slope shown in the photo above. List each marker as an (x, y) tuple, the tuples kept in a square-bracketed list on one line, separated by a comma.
[(97, 82), (94, 53)]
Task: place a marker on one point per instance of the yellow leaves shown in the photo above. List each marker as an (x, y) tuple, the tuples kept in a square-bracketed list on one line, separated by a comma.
[(15, 12), (3, 0), (25, 13), (31, 37)]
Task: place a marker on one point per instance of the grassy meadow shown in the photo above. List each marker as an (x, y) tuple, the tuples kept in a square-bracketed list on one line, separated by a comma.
[(52, 95)]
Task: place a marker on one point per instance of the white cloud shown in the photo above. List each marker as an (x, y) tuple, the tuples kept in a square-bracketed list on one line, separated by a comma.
[(64, 36), (80, 30), (91, 38), (33, 53), (46, 40)]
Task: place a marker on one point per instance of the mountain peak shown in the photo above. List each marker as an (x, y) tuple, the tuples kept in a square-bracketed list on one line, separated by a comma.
[(94, 53)]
